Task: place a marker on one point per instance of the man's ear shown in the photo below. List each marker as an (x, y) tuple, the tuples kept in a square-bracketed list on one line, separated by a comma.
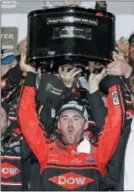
[(86, 125), (8, 123), (59, 127)]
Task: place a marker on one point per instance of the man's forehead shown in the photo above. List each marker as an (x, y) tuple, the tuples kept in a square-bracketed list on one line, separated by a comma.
[(70, 112)]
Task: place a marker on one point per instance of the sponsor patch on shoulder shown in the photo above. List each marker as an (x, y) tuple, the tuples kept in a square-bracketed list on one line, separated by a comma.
[(115, 98), (90, 159)]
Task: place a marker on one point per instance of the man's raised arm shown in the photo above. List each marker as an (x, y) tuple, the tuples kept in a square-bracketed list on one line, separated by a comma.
[(28, 117), (114, 121)]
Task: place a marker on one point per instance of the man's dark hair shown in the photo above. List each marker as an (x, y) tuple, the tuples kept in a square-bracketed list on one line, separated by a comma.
[(131, 39)]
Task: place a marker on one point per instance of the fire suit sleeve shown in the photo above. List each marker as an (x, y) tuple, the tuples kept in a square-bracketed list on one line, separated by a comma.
[(114, 121), (98, 109), (29, 122)]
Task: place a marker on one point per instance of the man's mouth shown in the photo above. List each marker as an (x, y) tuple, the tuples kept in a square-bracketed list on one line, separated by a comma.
[(70, 130)]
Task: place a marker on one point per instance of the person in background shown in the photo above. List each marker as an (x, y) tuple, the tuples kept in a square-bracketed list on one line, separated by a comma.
[(4, 119), (11, 83), (10, 74), (128, 173), (131, 50), (10, 155), (8, 61), (122, 66), (10, 78)]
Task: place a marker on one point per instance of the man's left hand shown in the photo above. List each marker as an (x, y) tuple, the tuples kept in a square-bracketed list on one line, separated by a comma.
[(25, 67), (94, 80)]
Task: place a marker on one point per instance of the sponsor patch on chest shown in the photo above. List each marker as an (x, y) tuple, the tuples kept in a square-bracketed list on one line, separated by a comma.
[(71, 180)]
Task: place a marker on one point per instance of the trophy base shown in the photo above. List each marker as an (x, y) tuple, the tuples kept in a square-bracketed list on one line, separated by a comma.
[(51, 64)]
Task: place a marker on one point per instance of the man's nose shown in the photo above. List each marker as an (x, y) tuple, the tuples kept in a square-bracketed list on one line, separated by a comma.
[(69, 122)]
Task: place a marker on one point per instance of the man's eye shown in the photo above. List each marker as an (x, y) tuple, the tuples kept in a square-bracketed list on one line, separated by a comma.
[(76, 118), (64, 119)]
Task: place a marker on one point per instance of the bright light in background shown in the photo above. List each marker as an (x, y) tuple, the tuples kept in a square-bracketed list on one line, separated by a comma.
[(8, 4), (87, 4), (18, 16)]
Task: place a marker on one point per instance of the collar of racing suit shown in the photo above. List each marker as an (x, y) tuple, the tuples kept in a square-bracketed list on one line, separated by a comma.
[(83, 146)]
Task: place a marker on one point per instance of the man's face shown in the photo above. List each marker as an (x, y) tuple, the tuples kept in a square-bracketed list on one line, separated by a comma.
[(6, 68), (4, 122), (131, 54), (72, 126)]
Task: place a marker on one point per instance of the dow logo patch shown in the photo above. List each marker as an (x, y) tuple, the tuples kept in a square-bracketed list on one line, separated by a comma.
[(115, 98), (8, 170), (71, 180)]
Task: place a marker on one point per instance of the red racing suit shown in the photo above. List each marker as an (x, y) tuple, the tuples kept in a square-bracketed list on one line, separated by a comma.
[(63, 167)]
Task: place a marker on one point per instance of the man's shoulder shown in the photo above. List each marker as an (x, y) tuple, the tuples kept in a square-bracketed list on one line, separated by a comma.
[(11, 148)]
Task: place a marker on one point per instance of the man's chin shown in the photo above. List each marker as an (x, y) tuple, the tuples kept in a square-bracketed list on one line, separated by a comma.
[(70, 140)]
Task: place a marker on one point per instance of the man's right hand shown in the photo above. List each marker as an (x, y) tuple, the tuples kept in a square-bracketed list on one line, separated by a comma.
[(119, 66), (94, 80), (68, 77), (25, 67)]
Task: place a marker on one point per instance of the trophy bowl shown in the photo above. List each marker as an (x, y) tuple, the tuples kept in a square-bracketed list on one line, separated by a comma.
[(71, 35)]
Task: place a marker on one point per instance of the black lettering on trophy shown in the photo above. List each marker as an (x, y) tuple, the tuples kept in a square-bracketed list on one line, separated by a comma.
[(72, 19)]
